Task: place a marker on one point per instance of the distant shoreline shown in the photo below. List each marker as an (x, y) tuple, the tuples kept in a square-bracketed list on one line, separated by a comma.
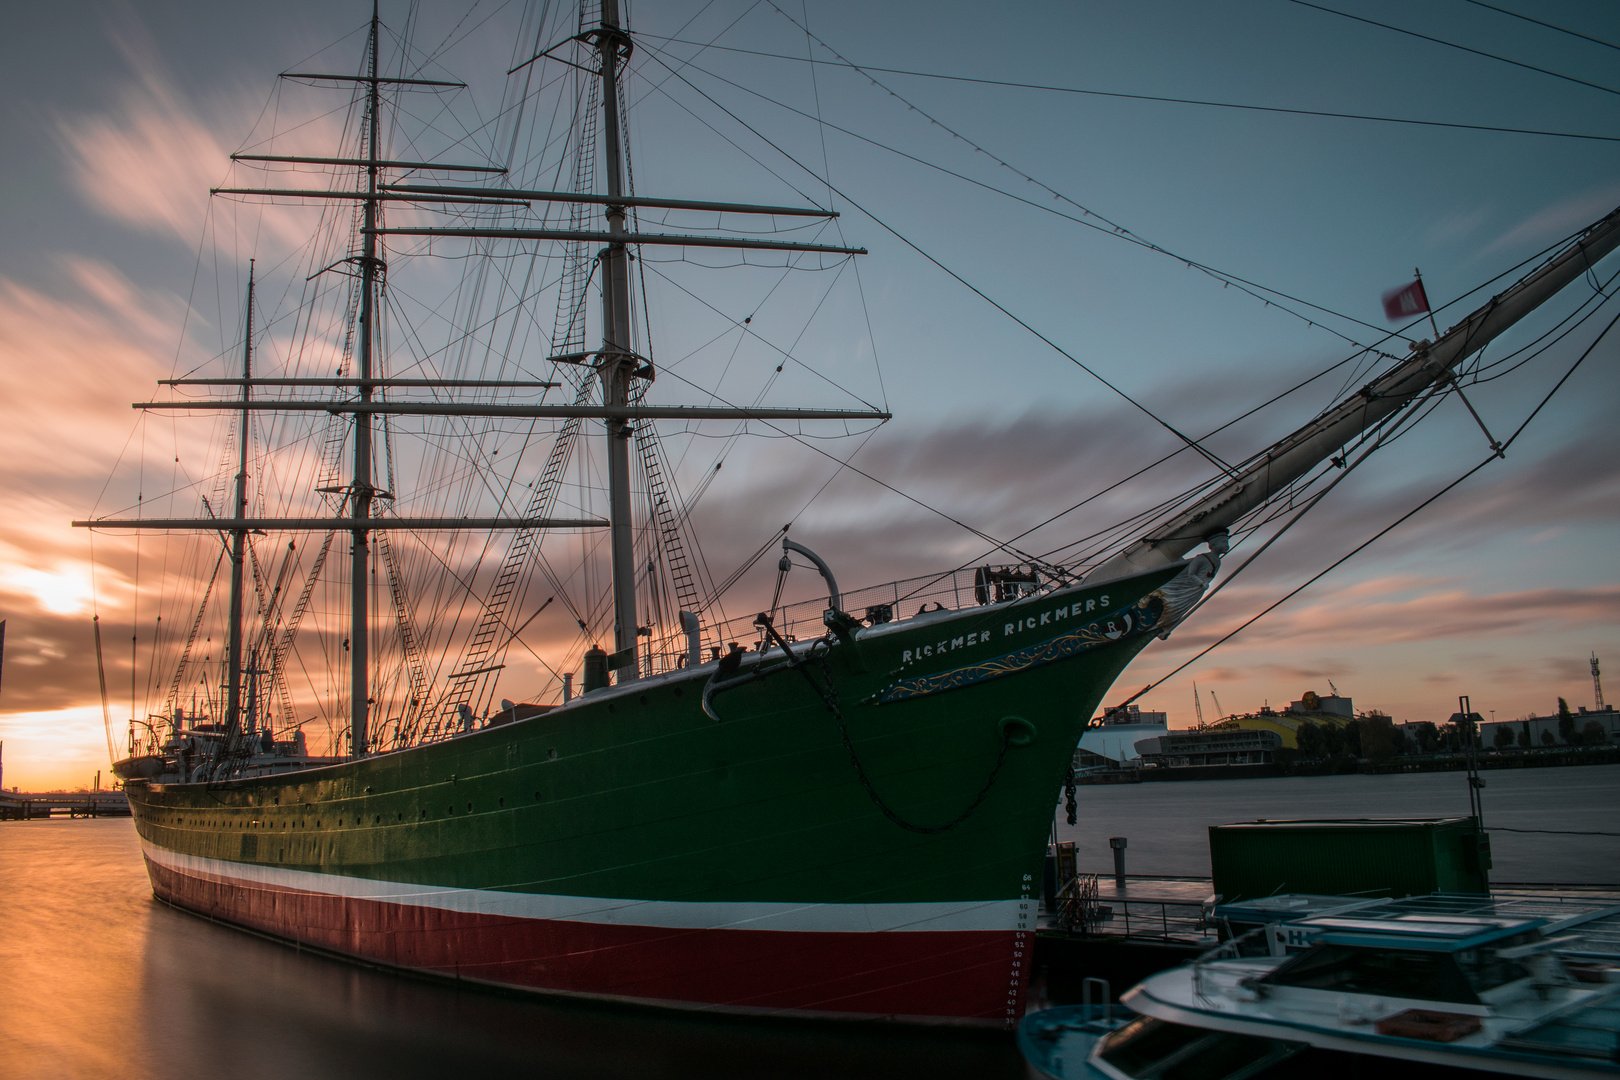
[(1557, 757)]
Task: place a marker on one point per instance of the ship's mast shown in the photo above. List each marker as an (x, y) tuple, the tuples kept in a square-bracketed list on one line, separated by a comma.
[(233, 698), (360, 490), (616, 363)]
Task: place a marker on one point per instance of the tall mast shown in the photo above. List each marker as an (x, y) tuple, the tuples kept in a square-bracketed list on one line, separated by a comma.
[(233, 697), (361, 491), (617, 363)]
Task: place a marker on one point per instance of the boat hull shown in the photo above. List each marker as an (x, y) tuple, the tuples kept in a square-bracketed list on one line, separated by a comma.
[(917, 975), (859, 839)]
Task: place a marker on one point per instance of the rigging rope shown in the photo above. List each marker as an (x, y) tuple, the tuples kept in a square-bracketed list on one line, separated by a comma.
[(1014, 85), (1216, 461), (1454, 45), (1494, 456), (1107, 227), (1548, 25)]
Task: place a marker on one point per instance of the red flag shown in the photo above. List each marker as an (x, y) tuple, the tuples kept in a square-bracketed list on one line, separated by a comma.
[(1403, 303)]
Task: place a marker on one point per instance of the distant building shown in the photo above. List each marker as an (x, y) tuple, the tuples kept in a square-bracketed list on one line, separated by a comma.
[(1212, 746), (1419, 732), (1132, 714), (1110, 743), (1543, 730), (1332, 704), (1311, 708)]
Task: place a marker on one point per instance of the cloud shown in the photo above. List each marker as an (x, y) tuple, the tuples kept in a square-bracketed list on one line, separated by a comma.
[(151, 158), (1429, 616), (1556, 221), (1002, 478), (74, 357), (63, 590), (151, 161), (1455, 226), (1573, 485)]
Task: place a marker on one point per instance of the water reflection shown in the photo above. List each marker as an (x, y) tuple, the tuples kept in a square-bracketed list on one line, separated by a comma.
[(96, 978)]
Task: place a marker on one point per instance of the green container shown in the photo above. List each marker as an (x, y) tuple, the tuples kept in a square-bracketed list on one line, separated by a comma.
[(1350, 857)]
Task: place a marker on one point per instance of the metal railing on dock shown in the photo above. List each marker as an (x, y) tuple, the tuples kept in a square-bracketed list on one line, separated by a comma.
[(1170, 910)]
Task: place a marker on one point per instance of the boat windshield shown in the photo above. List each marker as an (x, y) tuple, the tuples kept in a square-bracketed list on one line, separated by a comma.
[(1485, 969), (1422, 975), (1150, 1049)]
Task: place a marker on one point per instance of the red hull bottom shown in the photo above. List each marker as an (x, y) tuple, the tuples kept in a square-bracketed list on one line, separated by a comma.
[(942, 976)]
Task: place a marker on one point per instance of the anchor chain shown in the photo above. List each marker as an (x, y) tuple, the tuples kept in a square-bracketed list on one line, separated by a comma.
[(830, 698), (827, 690)]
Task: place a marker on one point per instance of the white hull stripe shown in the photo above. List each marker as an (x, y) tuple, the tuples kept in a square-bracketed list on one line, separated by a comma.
[(670, 914)]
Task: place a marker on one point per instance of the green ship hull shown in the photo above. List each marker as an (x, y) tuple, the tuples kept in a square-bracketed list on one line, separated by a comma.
[(852, 830)]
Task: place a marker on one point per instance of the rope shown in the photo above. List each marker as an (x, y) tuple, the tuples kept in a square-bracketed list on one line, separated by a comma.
[(1496, 455), (1193, 444)]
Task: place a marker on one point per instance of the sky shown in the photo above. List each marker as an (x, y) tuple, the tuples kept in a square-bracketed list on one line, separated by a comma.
[(116, 270)]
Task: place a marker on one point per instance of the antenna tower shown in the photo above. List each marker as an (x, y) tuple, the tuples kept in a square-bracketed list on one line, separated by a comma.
[(1597, 684)]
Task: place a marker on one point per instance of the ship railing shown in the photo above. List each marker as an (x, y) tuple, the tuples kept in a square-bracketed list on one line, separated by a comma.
[(1160, 920), (1081, 911), (1078, 907), (873, 605)]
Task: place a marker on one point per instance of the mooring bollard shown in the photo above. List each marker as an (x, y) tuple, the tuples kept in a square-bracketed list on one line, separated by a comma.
[(1118, 844)]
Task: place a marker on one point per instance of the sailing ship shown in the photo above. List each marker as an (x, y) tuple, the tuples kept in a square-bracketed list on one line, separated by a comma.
[(830, 809)]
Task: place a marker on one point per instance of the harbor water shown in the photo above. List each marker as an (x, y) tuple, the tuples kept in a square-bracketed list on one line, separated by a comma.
[(1547, 825), (97, 979)]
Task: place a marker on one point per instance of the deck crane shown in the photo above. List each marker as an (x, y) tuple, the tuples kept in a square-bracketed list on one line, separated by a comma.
[(1198, 707), (1219, 712)]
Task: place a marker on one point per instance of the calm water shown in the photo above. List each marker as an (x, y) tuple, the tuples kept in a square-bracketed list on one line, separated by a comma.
[(98, 980), (1167, 822)]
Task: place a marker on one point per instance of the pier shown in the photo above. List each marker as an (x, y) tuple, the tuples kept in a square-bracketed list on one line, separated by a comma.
[(27, 806)]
